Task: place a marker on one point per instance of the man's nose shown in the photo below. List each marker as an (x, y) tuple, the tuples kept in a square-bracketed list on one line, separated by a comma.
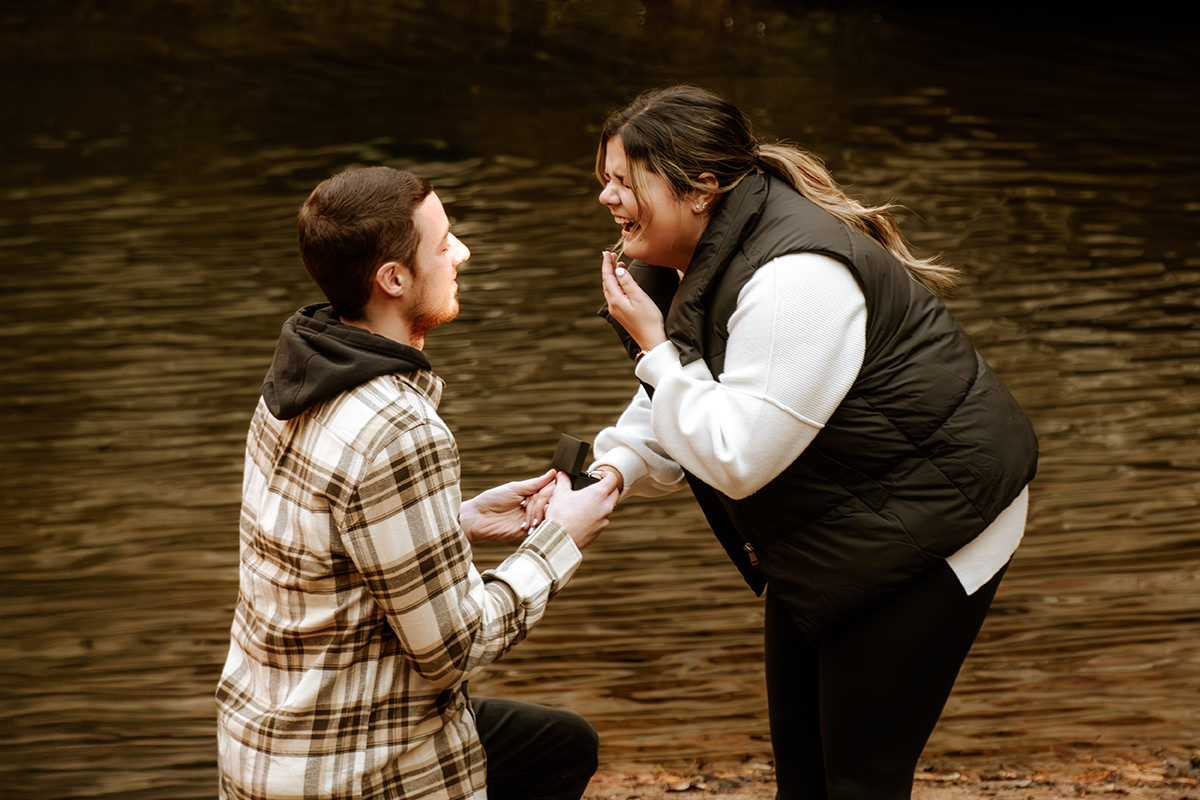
[(461, 253)]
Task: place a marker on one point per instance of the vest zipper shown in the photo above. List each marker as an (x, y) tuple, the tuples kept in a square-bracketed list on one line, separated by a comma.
[(749, 548)]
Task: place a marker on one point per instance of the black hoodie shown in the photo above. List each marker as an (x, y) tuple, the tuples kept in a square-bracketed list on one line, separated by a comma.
[(318, 356)]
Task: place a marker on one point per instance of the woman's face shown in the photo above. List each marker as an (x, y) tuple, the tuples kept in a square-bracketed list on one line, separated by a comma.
[(657, 227)]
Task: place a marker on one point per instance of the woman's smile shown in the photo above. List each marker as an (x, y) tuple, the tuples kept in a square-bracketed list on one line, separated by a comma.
[(627, 225)]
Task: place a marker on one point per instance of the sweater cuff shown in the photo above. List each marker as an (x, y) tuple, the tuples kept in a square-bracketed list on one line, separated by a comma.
[(655, 365), (625, 461)]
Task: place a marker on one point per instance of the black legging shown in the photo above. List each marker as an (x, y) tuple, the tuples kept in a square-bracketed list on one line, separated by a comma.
[(534, 752), (851, 711)]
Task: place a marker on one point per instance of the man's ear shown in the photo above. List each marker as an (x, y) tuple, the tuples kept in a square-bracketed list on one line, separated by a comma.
[(393, 279)]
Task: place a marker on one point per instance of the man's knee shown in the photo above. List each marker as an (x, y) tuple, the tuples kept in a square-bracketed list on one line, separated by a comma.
[(536, 751), (589, 749), (577, 749), (576, 754)]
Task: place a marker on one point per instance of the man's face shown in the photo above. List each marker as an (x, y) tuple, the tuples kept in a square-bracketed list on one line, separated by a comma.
[(434, 296)]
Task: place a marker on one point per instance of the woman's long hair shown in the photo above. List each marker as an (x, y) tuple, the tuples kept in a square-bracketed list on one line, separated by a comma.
[(682, 132)]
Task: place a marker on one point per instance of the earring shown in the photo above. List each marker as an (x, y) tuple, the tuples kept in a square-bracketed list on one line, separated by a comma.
[(701, 206)]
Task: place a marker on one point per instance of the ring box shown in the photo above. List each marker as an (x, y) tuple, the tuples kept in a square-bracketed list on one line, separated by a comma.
[(569, 457)]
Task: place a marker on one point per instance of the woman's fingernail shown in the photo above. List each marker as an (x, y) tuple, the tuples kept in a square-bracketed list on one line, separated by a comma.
[(620, 272)]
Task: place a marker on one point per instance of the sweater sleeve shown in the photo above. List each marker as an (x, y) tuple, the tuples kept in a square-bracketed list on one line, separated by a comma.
[(630, 448), (796, 344)]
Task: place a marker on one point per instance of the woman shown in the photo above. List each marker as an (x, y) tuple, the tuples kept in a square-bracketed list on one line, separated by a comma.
[(855, 456)]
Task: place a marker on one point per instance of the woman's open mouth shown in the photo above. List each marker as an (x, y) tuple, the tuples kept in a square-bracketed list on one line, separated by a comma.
[(627, 225)]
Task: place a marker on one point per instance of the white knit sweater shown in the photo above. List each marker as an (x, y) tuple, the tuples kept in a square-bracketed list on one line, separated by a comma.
[(796, 344)]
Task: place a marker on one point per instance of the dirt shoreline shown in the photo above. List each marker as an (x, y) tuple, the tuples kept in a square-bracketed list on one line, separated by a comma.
[(1164, 778)]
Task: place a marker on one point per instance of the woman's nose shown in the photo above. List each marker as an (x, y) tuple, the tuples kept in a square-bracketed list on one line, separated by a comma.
[(608, 195)]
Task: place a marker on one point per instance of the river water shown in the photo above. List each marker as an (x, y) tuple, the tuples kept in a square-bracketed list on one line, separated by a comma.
[(154, 159)]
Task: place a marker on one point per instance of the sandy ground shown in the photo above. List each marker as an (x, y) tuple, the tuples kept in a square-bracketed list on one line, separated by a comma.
[(1171, 778)]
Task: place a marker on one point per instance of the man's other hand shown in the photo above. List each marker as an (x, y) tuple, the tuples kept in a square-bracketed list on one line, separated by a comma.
[(583, 513)]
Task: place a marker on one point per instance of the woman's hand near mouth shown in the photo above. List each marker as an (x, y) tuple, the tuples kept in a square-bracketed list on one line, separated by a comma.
[(629, 305)]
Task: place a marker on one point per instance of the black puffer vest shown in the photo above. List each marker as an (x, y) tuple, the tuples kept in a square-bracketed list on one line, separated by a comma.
[(924, 452)]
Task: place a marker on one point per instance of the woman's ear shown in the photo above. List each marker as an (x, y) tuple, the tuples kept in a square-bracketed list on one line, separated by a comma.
[(701, 199)]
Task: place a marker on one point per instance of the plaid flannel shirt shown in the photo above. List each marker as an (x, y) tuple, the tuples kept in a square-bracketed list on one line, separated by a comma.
[(359, 613)]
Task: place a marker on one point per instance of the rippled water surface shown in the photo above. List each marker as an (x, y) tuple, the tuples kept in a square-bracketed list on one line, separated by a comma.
[(154, 162)]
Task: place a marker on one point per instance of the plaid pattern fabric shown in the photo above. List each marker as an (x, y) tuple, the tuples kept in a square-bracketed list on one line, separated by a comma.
[(360, 615)]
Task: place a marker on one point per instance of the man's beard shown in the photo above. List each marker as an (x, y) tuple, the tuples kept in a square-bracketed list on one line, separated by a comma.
[(428, 320)]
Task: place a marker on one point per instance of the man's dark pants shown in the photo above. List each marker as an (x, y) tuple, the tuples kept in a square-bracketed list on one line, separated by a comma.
[(534, 752)]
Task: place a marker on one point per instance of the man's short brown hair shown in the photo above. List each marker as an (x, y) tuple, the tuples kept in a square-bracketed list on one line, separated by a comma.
[(354, 222)]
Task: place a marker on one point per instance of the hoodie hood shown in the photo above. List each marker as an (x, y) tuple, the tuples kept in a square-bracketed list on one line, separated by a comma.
[(318, 356)]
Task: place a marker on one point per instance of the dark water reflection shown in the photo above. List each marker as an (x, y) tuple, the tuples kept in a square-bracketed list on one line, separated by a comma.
[(154, 163)]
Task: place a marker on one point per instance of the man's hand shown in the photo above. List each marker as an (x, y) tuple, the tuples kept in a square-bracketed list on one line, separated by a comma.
[(499, 514), (604, 469), (583, 513)]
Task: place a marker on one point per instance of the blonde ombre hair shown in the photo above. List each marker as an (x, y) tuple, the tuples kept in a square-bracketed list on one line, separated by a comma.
[(681, 132)]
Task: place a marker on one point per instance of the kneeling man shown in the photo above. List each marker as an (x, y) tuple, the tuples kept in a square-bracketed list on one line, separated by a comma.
[(360, 615)]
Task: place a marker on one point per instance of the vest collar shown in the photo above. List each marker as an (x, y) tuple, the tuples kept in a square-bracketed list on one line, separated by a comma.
[(734, 219)]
